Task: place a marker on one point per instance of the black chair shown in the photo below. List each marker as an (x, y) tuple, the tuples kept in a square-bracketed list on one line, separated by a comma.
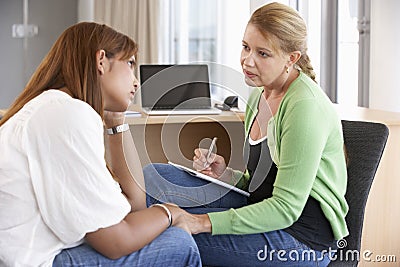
[(364, 143)]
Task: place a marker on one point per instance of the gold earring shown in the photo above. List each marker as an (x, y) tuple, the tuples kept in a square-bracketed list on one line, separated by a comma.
[(287, 70)]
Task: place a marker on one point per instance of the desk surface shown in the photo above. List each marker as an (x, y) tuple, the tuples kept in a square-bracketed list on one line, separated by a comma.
[(345, 113), (367, 114), (225, 116)]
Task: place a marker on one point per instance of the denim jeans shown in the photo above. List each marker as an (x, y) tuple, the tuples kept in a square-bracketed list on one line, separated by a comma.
[(165, 183), (174, 247)]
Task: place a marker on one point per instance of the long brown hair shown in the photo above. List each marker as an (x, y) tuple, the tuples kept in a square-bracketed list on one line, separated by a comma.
[(288, 27), (71, 62)]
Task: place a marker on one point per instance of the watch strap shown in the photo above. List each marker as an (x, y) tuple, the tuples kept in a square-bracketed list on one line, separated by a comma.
[(118, 129)]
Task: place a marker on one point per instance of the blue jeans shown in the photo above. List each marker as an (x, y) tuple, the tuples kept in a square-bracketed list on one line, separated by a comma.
[(165, 183), (174, 247)]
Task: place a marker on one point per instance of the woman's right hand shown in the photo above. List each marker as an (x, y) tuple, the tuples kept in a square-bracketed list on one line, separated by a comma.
[(214, 166)]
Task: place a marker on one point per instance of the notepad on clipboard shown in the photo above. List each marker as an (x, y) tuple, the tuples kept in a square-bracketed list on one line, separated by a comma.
[(209, 178)]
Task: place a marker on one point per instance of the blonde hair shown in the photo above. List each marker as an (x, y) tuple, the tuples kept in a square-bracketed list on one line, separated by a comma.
[(288, 27), (71, 62)]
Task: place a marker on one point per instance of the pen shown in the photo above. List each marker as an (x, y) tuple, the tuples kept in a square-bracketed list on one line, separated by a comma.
[(210, 150)]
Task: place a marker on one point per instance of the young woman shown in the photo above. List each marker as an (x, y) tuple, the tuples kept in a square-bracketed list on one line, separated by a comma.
[(296, 170), (59, 203)]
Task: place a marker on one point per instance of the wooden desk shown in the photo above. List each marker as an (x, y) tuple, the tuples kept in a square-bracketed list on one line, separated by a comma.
[(174, 138)]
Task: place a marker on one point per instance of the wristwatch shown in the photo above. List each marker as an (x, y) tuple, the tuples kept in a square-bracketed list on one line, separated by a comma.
[(118, 129)]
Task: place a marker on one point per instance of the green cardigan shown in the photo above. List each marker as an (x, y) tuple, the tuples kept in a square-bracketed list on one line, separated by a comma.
[(306, 143)]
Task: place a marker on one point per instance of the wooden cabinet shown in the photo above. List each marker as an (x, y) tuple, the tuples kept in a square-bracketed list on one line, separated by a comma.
[(174, 138)]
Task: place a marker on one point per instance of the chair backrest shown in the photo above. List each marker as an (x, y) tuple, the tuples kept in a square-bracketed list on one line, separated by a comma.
[(364, 143)]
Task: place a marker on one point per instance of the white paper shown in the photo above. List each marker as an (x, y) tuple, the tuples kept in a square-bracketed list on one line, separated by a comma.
[(209, 178)]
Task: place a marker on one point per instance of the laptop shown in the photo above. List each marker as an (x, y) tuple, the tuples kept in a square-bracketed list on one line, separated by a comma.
[(176, 89)]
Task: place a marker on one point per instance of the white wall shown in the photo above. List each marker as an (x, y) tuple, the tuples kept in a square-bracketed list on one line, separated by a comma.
[(233, 18), (19, 61), (385, 54), (232, 24), (85, 10)]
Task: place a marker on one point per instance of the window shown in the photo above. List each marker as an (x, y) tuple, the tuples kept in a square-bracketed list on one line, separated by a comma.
[(334, 47), (206, 31), (348, 46), (195, 38), (211, 31)]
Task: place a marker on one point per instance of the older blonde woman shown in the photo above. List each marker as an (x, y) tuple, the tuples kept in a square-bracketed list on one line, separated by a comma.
[(296, 170)]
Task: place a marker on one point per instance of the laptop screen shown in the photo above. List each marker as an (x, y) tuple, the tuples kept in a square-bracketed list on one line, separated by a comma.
[(175, 86)]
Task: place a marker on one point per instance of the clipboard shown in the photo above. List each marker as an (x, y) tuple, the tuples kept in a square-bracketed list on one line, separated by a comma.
[(209, 178)]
